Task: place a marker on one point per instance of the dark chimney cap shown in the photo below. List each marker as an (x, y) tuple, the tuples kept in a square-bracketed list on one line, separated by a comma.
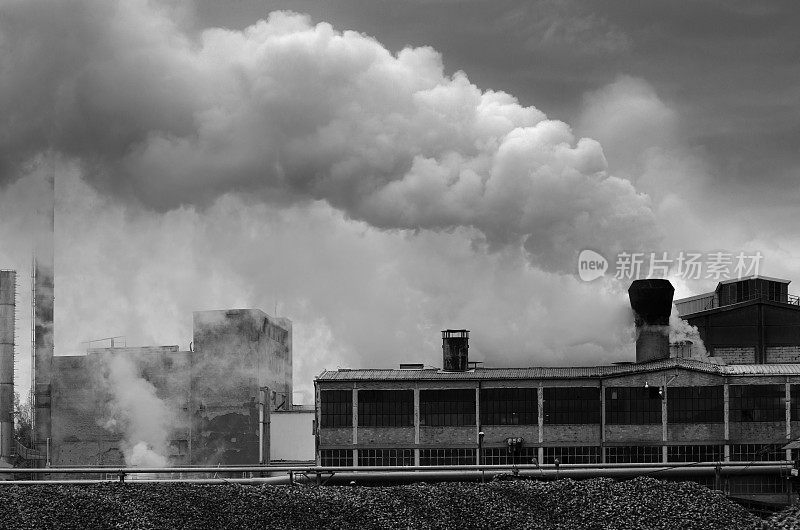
[(651, 300)]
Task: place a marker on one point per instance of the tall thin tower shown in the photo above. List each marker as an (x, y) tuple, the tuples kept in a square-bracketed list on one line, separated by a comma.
[(43, 299), (8, 305)]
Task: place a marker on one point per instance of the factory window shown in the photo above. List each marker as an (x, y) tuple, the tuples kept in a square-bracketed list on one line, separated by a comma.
[(447, 407), (385, 408), (695, 404), (564, 405), (757, 452), (500, 456), (758, 484), (385, 457), (695, 453), (795, 400), (336, 457), (336, 408), (633, 405), (633, 454), (587, 454), (509, 406), (757, 403), (447, 457)]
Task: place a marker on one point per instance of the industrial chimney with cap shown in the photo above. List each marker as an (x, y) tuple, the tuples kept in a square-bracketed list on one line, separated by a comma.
[(455, 350), (651, 301)]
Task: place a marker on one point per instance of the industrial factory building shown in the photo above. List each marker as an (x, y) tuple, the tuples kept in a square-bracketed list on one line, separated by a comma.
[(660, 409), (747, 321), (220, 393)]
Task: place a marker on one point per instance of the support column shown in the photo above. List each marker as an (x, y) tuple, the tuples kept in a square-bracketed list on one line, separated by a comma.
[(478, 425), (416, 426), (664, 408), (355, 416), (540, 407), (540, 419), (318, 417), (788, 418), (602, 423), (726, 393)]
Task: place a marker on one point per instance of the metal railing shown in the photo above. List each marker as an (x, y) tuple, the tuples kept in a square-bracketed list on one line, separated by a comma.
[(712, 302)]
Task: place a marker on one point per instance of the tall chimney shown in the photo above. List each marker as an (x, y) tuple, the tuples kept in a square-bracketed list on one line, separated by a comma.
[(455, 350), (651, 301), (8, 294), (43, 301)]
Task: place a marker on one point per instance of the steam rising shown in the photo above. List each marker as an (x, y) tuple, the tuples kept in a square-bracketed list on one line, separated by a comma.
[(287, 111), (680, 330), (134, 410)]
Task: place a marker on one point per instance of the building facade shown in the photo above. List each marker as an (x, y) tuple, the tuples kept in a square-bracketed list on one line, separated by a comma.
[(669, 411), (660, 409)]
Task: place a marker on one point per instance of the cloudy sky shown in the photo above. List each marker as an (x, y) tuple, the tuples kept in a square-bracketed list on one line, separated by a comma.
[(379, 171)]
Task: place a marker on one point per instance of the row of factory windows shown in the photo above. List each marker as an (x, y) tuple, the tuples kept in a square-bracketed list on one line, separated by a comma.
[(562, 405), (585, 454)]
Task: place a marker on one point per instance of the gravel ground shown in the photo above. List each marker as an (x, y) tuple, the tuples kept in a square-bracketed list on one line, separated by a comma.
[(563, 504)]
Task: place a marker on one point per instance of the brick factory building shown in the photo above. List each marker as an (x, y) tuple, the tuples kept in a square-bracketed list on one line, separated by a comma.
[(657, 410)]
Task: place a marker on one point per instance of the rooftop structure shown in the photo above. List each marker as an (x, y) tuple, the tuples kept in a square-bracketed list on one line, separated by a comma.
[(746, 321)]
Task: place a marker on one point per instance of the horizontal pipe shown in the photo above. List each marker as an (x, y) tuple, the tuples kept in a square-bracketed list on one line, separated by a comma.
[(322, 469), (549, 474), (452, 475), (275, 481), (443, 473)]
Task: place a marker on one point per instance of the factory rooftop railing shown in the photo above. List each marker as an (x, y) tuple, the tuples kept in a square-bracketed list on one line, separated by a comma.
[(325, 474)]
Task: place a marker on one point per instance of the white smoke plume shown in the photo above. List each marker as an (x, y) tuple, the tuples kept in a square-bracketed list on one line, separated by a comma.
[(133, 410), (289, 112), (680, 330)]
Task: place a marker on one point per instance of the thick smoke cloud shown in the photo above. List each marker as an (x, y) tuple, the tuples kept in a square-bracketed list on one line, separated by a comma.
[(286, 112)]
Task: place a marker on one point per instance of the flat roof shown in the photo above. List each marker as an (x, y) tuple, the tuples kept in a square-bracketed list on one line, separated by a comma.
[(753, 277), (585, 372), (695, 297), (739, 305)]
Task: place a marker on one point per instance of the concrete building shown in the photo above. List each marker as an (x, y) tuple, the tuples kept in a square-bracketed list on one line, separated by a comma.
[(657, 410), (219, 393), (292, 435)]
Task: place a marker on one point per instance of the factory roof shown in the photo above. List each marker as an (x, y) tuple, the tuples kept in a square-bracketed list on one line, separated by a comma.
[(557, 373)]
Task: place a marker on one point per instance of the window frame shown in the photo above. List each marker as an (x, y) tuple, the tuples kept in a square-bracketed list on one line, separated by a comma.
[(336, 413), (571, 404), (449, 407)]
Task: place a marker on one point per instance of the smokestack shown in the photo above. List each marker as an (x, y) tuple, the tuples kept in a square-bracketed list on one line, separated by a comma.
[(43, 301), (651, 301), (455, 350), (8, 294)]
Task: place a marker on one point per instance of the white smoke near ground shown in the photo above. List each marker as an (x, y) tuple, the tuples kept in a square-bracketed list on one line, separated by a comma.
[(289, 112), (134, 410)]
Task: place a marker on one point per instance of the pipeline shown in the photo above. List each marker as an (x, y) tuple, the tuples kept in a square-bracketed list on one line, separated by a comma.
[(347, 475)]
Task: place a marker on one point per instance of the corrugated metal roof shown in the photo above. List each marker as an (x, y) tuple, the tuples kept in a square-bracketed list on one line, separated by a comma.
[(557, 373)]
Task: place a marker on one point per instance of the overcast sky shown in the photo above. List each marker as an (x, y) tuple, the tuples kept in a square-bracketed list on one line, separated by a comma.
[(384, 170)]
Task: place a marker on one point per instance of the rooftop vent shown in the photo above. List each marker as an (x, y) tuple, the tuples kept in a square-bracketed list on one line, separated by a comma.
[(455, 350), (411, 366)]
